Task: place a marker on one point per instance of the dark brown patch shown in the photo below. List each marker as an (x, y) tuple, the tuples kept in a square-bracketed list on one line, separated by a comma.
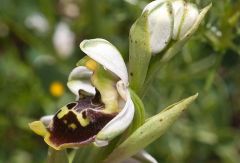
[(60, 133), (71, 105), (84, 114), (83, 94), (97, 98), (90, 107), (89, 102)]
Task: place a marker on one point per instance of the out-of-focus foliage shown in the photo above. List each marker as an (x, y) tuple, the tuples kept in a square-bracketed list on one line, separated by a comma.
[(35, 61)]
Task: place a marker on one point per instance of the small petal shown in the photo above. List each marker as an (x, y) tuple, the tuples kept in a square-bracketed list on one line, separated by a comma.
[(79, 79), (107, 55), (160, 23), (80, 72), (118, 124)]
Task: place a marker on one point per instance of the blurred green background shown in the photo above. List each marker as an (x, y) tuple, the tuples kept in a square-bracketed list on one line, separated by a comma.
[(39, 47)]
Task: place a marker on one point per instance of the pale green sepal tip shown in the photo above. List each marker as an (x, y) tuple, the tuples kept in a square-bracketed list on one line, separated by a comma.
[(150, 131)]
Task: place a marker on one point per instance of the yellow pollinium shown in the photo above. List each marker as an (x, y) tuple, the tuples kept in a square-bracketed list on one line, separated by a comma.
[(91, 64)]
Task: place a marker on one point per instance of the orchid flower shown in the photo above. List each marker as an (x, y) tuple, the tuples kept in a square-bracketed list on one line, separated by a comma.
[(103, 108)]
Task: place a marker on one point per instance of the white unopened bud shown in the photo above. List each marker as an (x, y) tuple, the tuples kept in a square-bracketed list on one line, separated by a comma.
[(160, 24), (169, 20)]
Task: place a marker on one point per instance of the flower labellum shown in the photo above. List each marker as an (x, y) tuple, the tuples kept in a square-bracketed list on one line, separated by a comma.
[(103, 108)]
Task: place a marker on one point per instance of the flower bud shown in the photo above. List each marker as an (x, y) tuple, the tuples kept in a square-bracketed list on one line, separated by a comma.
[(184, 15), (169, 20), (164, 27)]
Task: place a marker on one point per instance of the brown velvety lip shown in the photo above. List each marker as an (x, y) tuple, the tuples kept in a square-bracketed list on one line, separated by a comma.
[(68, 131)]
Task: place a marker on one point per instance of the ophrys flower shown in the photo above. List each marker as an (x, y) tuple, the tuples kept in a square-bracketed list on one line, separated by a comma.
[(103, 108)]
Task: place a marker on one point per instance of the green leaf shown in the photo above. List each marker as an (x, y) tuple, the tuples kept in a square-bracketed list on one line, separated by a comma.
[(139, 52), (150, 131), (55, 156)]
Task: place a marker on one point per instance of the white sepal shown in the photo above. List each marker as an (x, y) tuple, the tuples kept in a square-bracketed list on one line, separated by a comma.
[(80, 72), (107, 55), (160, 24), (118, 124)]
